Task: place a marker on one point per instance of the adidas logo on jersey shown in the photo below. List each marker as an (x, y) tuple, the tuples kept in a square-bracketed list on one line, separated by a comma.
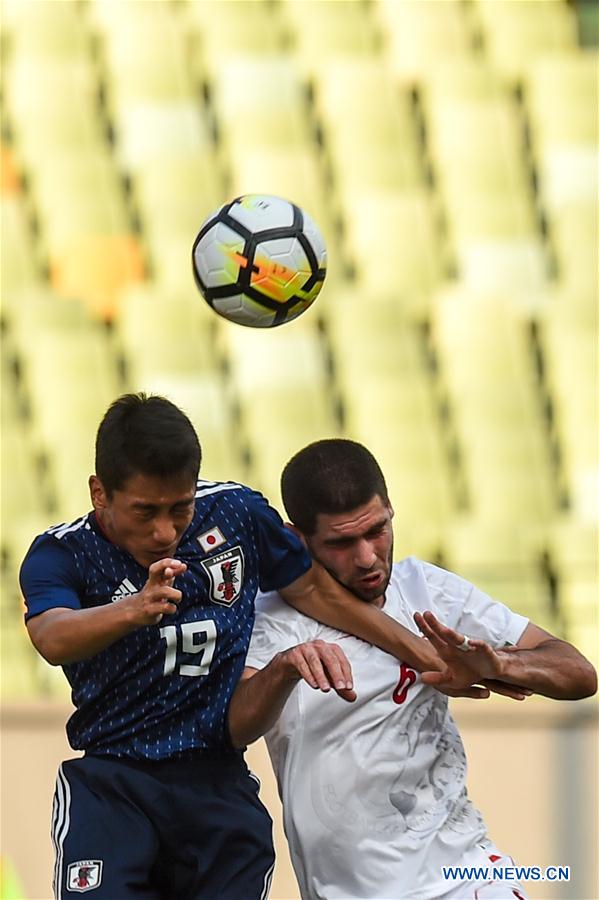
[(124, 589)]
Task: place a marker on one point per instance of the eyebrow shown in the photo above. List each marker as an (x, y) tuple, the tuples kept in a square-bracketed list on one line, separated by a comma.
[(342, 539)]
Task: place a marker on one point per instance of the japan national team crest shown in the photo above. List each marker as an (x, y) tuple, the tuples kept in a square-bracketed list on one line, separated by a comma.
[(84, 875), (226, 575)]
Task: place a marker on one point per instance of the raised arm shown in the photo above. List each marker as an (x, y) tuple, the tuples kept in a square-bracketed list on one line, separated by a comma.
[(261, 694), (64, 636), (318, 595)]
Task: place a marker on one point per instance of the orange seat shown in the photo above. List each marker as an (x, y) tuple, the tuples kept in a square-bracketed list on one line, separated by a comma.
[(10, 183), (96, 269)]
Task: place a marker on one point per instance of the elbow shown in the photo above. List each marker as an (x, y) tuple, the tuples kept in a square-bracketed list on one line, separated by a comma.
[(583, 684), (48, 648), (51, 654), (588, 681), (238, 735)]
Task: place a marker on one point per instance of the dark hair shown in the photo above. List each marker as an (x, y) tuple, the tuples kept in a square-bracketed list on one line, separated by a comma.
[(145, 435), (329, 476)]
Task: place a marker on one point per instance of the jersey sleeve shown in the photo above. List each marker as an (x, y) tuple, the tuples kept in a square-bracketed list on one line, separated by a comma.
[(277, 627), (282, 556), (49, 577), (464, 607)]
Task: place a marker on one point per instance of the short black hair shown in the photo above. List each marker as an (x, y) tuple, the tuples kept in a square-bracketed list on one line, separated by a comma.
[(145, 435), (331, 476)]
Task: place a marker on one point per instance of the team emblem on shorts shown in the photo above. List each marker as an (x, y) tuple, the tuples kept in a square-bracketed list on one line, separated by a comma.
[(226, 575), (84, 875)]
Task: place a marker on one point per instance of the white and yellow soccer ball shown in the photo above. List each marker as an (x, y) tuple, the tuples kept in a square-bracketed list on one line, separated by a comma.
[(259, 260)]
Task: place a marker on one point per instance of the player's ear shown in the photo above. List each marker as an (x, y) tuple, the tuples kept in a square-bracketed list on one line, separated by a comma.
[(97, 493)]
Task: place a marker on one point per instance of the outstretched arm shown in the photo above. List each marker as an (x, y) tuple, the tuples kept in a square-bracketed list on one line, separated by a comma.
[(318, 595), (261, 694), (539, 663)]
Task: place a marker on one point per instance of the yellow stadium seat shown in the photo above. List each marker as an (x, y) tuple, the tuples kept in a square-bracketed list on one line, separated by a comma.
[(570, 350), (420, 35), (484, 182), (230, 29), (505, 561), (561, 97), (328, 29), (20, 264), (393, 242), (389, 400), (487, 367), (516, 34), (46, 30), (153, 130), (369, 128), (166, 333), (204, 397), (56, 99), (259, 102), (283, 406), (561, 94), (78, 193), (174, 194)]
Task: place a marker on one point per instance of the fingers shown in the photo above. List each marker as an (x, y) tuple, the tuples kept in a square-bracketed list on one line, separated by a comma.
[(165, 570), (514, 691), (323, 666), (423, 624)]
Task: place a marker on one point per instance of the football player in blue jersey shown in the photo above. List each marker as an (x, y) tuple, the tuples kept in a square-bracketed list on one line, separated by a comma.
[(147, 603)]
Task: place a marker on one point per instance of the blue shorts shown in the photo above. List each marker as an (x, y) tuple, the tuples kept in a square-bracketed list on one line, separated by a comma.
[(191, 829)]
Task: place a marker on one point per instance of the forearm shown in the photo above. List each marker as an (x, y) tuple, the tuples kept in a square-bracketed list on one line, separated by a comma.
[(258, 702), (319, 596), (65, 636), (554, 669)]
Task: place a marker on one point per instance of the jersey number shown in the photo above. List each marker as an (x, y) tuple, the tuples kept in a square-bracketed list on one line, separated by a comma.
[(196, 637), (407, 677)]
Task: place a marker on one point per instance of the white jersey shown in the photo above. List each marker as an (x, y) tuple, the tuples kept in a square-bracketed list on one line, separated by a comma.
[(374, 793)]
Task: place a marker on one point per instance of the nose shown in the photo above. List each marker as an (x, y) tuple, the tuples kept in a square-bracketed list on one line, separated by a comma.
[(364, 556), (164, 532)]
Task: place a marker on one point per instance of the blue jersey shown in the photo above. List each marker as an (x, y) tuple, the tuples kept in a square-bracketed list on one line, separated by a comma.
[(165, 689)]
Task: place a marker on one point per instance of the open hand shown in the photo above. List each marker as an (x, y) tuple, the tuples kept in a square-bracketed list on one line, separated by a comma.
[(472, 668)]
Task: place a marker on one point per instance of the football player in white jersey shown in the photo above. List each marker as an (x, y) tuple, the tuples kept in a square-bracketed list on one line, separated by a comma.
[(374, 794)]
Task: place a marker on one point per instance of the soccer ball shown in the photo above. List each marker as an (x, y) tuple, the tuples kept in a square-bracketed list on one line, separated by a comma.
[(259, 261)]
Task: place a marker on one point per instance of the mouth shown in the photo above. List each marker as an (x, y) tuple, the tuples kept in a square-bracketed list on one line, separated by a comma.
[(373, 580)]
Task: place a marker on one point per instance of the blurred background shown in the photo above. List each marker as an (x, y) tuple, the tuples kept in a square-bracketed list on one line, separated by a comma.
[(448, 151)]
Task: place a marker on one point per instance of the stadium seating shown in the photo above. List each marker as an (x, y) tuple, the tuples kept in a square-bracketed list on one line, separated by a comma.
[(418, 36), (447, 151), (283, 406), (515, 34), (487, 367)]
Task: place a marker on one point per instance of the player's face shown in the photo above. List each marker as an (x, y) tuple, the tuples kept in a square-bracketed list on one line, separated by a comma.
[(357, 548), (148, 516)]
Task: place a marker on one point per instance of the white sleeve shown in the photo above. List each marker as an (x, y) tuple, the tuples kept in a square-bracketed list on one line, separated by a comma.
[(462, 606), (277, 627)]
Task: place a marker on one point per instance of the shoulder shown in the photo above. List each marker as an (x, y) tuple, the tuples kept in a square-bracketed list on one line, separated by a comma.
[(231, 495), (423, 585), (272, 613), (58, 542)]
